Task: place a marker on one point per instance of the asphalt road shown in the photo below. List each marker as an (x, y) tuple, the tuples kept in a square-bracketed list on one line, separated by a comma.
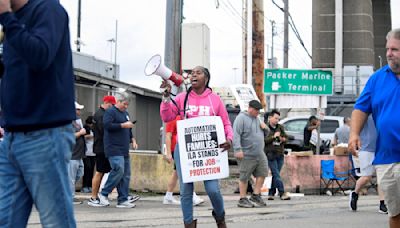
[(300, 212)]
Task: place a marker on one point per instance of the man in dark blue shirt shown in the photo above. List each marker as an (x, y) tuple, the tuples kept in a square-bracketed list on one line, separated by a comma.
[(117, 137), (380, 97), (37, 103)]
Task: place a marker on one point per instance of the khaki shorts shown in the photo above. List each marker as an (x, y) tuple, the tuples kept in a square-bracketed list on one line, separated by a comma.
[(257, 167), (389, 183)]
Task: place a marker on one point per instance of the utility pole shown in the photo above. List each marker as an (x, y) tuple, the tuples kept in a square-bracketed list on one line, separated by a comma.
[(78, 39), (244, 41), (173, 43), (286, 35), (272, 45), (173, 35), (115, 49), (258, 49)]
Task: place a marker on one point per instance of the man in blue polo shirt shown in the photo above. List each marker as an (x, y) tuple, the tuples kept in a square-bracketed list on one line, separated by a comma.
[(380, 97), (117, 137)]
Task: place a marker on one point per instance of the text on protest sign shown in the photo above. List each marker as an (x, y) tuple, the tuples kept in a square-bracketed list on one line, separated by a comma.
[(200, 157)]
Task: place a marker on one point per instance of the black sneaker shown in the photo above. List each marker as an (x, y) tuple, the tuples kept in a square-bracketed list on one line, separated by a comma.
[(353, 200), (76, 201), (244, 202), (133, 198), (258, 200), (383, 209)]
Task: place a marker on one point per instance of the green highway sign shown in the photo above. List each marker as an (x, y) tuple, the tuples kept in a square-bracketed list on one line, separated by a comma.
[(305, 82)]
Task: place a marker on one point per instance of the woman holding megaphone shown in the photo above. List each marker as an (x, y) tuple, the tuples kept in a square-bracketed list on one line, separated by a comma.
[(203, 102)]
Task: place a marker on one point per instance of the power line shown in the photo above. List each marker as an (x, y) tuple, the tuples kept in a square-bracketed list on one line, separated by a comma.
[(293, 27)]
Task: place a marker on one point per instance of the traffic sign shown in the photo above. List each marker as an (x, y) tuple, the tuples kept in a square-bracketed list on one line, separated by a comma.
[(288, 81)]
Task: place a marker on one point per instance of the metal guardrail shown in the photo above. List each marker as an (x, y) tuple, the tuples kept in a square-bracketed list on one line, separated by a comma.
[(350, 85)]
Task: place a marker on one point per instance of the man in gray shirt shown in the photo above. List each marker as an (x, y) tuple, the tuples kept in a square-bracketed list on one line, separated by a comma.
[(342, 133), (248, 146)]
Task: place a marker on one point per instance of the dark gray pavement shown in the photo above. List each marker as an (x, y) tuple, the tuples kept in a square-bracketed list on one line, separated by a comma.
[(300, 212)]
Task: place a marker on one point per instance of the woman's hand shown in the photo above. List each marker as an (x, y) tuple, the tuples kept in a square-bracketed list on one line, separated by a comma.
[(168, 158), (226, 145), (165, 88)]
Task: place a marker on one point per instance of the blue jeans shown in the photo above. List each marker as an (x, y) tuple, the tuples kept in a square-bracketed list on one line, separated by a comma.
[(186, 191), (119, 177), (34, 170), (276, 165), (75, 172)]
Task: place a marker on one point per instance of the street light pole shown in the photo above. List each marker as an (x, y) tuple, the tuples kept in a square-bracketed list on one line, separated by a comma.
[(78, 39), (234, 73), (112, 41)]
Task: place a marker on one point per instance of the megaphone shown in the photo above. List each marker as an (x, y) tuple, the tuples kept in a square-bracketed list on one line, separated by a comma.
[(155, 66)]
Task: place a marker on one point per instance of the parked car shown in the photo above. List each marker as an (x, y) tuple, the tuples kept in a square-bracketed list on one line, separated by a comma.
[(294, 127)]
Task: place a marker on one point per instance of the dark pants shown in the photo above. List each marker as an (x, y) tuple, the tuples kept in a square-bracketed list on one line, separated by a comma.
[(276, 165), (88, 164)]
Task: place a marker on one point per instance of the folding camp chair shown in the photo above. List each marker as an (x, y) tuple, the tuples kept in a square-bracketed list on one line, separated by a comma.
[(328, 177), (354, 170)]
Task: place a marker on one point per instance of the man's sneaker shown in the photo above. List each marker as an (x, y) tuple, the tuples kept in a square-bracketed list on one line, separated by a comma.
[(270, 198), (244, 202), (126, 204), (76, 201), (103, 200), (95, 202), (285, 196), (133, 198), (353, 200), (197, 200), (258, 200), (383, 209), (171, 201)]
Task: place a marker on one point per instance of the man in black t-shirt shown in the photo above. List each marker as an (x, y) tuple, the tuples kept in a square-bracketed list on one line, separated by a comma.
[(313, 123), (102, 163)]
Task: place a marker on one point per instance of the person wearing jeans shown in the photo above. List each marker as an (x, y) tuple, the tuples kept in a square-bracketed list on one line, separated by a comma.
[(117, 137), (274, 147), (186, 191), (37, 110), (275, 166), (43, 157), (119, 177), (199, 100)]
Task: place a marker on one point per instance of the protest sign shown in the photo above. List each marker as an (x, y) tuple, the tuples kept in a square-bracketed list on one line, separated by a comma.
[(200, 157)]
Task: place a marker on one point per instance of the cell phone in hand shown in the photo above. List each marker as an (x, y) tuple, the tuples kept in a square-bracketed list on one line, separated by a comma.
[(134, 121)]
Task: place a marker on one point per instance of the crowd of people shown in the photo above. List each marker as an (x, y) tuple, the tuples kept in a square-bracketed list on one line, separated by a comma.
[(46, 128)]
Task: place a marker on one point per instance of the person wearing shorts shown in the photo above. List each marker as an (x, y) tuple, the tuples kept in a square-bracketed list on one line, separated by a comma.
[(248, 147), (380, 98), (171, 138), (367, 170)]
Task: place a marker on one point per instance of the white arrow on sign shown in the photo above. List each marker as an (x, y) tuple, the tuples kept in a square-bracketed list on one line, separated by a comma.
[(275, 86)]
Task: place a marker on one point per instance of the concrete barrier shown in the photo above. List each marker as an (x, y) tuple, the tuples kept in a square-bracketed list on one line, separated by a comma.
[(303, 172), (150, 172)]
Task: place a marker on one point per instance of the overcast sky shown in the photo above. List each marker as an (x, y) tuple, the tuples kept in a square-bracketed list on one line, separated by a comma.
[(141, 33)]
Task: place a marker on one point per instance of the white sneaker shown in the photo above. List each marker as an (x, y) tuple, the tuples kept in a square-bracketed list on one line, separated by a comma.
[(197, 200), (103, 199), (126, 204), (171, 200), (95, 203)]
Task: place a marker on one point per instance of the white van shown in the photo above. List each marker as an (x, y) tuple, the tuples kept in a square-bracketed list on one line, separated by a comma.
[(294, 126)]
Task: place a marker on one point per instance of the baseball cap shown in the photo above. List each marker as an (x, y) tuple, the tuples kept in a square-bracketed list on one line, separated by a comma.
[(255, 104), (78, 106), (109, 99)]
